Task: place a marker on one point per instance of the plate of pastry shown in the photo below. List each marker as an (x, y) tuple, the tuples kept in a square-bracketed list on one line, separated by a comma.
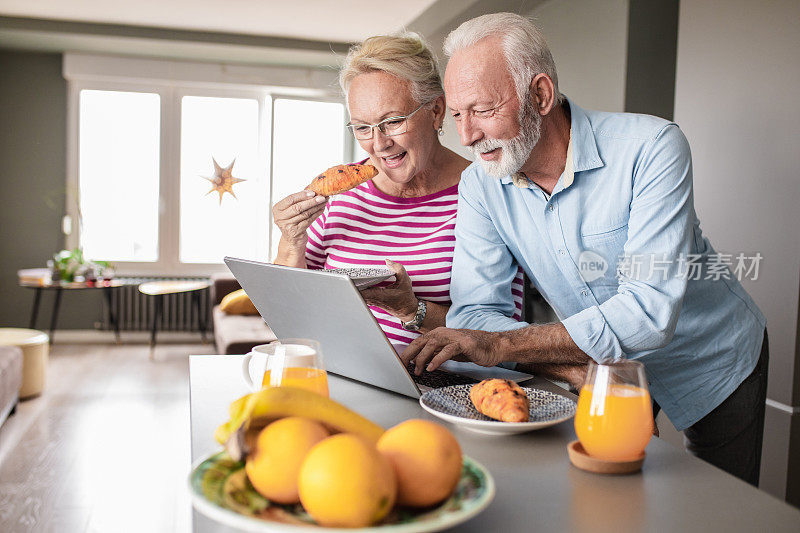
[(498, 407), (364, 277)]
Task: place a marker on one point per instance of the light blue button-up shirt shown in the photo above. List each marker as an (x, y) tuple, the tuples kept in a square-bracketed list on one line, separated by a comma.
[(668, 303)]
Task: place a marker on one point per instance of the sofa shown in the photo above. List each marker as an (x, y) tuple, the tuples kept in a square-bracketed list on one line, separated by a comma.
[(235, 334), (10, 380)]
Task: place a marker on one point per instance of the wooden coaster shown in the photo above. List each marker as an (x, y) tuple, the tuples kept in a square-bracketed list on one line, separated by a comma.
[(584, 461)]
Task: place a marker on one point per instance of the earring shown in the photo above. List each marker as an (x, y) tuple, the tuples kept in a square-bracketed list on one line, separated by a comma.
[(441, 131)]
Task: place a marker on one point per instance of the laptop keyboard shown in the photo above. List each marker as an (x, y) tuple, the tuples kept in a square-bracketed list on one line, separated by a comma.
[(439, 378)]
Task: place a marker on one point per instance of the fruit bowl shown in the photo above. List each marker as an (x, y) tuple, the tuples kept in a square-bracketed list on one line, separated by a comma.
[(220, 491)]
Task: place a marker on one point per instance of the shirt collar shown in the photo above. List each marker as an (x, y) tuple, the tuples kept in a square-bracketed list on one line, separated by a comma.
[(585, 155), (582, 144), (522, 181)]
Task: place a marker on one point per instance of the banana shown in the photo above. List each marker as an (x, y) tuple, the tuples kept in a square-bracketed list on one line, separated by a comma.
[(237, 413), (277, 402)]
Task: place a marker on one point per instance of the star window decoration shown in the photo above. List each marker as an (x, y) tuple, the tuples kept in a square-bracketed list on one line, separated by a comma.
[(223, 180)]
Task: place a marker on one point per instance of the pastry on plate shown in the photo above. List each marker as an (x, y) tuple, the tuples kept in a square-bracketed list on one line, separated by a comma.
[(501, 399), (341, 178)]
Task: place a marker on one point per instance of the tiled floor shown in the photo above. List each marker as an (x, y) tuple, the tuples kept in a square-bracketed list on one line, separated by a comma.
[(106, 448)]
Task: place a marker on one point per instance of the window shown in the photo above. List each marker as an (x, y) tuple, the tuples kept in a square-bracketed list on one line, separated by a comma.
[(119, 152), (224, 130), (144, 152), (318, 126)]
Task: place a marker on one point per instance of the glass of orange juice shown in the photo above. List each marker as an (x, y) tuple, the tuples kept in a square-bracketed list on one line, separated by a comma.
[(614, 420), (288, 363)]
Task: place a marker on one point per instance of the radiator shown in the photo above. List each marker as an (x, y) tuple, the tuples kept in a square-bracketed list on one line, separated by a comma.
[(134, 311)]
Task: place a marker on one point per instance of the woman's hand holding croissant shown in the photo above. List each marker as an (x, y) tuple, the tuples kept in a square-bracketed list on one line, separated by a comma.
[(295, 213)]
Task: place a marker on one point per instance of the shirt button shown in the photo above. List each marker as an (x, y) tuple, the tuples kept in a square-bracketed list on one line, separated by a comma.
[(551, 207), (562, 252), (584, 292)]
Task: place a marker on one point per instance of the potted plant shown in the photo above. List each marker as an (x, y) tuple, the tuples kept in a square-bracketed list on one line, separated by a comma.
[(70, 265)]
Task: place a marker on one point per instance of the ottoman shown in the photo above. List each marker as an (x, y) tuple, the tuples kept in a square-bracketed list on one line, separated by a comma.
[(10, 379), (35, 350)]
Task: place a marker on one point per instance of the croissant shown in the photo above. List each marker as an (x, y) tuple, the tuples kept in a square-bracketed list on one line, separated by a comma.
[(341, 178), (501, 399)]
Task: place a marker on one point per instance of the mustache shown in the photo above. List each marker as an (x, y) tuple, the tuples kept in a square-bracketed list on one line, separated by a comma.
[(486, 145)]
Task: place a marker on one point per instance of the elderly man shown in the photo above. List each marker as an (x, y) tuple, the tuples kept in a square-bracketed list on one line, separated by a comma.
[(565, 193)]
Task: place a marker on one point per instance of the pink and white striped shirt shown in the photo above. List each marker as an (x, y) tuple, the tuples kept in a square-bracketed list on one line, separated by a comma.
[(363, 226)]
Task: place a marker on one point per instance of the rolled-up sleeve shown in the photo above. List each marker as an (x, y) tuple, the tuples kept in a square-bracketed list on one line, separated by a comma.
[(642, 316), (483, 267)]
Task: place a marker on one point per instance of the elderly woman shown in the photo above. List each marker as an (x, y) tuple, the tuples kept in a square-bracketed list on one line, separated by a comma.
[(405, 216)]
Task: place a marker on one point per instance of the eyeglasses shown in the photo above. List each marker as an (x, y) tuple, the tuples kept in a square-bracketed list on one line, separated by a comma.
[(388, 126)]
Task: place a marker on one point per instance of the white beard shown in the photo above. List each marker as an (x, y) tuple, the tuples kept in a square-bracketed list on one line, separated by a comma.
[(515, 151)]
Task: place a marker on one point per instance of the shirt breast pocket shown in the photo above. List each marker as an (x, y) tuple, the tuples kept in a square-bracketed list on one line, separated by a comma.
[(607, 242), (604, 232)]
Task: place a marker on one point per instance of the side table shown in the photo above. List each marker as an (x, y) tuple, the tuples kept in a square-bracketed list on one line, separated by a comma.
[(158, 289), (106, 285)]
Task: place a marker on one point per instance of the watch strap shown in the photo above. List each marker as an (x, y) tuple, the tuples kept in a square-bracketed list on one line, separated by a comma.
[(415, 323)]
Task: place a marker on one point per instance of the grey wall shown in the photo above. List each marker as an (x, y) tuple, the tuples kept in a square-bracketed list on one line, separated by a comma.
[(588, 39), (736, 101), (652, 49), (33, 107)]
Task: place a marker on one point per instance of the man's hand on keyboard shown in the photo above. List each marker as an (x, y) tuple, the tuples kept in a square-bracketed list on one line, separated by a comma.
[(437, 346), (439, 378)]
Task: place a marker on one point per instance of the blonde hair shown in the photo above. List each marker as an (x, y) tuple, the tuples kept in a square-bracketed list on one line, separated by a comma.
[(524, 47), (404, 55)]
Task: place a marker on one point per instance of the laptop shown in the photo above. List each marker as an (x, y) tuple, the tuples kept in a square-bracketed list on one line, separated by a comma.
[(326, 306)]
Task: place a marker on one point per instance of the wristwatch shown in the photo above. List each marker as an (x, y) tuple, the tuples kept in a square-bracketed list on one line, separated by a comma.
[(415, 323)]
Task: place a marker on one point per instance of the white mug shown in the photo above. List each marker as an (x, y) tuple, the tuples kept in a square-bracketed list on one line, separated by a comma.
[(277, 355)]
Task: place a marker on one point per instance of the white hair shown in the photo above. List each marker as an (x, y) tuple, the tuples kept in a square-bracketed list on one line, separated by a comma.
[(524, 47), (404, 55)]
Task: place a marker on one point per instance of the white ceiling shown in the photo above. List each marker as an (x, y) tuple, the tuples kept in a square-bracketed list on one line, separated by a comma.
[(319, 20)]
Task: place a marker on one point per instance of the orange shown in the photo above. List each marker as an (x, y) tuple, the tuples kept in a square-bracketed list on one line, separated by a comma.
[(427, 460), (280, 450), (346, 482)]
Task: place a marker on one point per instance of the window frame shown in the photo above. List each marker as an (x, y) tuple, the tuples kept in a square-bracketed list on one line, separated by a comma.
[(171, 93), (349, 147), (264, 99)]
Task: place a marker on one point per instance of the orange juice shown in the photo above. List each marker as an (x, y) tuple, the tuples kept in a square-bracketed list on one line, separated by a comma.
[(312, 379), (616, 426)]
